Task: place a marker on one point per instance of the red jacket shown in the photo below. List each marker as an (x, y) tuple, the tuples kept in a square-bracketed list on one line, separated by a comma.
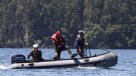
[(59, 41)]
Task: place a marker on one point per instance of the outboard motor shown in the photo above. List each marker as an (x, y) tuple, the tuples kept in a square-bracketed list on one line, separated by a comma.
[(18, 59)]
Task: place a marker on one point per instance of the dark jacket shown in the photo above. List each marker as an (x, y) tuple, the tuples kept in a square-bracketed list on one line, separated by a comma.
[(36, 55), (79, 42)]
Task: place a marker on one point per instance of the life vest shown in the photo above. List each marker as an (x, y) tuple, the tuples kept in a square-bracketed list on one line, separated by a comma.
[(59, 41), (36, 54)]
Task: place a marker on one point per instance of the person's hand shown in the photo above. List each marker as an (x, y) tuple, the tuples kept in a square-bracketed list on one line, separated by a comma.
[(86, 44), (62, 44), (58, 46)]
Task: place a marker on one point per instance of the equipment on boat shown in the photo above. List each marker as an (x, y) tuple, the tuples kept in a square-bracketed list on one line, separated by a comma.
[(18, 59), (107, 59)]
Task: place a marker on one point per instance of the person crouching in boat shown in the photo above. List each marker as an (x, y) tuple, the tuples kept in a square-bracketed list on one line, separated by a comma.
[(60, 45), (36, 54), (80, 44)]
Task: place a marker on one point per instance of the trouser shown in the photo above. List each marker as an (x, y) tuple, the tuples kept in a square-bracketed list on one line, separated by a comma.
[(59, 50), (81, 52)]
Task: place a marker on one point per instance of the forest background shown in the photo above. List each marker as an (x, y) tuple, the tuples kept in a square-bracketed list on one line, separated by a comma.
[(108, 23)]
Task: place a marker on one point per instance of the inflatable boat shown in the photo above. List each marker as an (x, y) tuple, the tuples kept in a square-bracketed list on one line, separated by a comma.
[(107, 59)]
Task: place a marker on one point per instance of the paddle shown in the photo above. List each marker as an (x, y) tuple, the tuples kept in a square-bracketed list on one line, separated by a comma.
[(42, 46), (45, 46)]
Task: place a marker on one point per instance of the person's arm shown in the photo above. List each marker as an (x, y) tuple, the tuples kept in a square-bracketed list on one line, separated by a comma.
[(53, 42), (76, 43), (63, 40), (84, 42), (30, 54)]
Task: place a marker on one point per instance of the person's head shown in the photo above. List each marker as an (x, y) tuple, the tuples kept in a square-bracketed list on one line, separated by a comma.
[(35, 46), (58, 34), (81, 33)]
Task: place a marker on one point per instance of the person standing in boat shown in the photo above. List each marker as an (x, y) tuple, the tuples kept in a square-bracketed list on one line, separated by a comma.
[(36, 54), (60, 45), (80, 43)]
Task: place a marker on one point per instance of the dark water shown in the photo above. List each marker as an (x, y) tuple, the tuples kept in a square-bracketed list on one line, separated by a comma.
[(126, 65)]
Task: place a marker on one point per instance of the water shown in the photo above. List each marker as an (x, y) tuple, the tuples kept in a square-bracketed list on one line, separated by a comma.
[(126, 65)]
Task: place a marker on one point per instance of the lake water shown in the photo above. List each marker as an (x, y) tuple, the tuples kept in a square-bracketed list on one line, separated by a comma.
[(126, 64)]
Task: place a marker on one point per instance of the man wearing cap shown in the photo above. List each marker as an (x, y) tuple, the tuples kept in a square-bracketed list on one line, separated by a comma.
[(80, 43), (60, 45), (36, 54)]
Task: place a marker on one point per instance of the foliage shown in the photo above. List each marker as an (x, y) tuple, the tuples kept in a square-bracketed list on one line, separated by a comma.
[(108, 23)]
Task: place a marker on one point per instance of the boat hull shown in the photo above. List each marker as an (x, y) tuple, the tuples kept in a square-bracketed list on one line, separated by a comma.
[(108, 59)]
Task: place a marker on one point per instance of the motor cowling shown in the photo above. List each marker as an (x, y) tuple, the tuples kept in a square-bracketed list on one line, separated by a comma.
[(18, 59)]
